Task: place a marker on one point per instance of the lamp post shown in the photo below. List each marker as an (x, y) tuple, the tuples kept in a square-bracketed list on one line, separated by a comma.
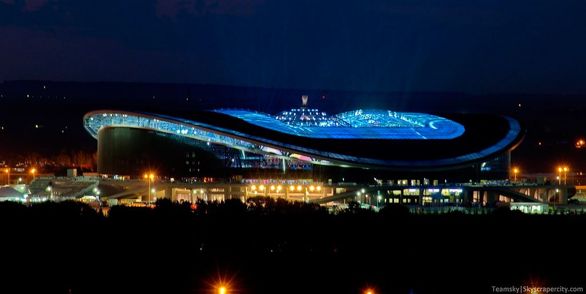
[(7, 171), (263, 189), (97, 194), (515, 172), (149, 177), (564, 170), (33, 172), (50, 190)]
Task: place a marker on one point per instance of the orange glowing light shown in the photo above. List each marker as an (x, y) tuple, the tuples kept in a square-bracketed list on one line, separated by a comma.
[(223, 285)]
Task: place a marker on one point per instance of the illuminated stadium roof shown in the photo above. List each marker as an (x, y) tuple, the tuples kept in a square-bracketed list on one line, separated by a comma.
[(363, 138), (361, 124), (309, 117)]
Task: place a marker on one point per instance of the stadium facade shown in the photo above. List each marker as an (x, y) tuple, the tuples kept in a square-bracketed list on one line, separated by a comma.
[(362, 142)]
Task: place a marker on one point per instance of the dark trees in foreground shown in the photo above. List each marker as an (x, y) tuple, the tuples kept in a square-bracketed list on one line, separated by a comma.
[(268, 246)]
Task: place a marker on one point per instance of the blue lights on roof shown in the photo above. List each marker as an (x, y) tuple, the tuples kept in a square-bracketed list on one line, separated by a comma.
[(357, 124), (309, 117), (95, 121), (384, 118)]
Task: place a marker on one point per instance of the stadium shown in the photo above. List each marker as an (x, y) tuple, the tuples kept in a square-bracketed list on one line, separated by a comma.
[(359, 143)]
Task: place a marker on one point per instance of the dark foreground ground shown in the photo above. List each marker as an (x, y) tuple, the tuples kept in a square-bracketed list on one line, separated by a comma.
[(276, 247)]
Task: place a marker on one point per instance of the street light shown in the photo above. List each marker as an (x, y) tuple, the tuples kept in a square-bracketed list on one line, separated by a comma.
[(7, 171), (222, 290), (33, 172), (564, 170), (96, 193), (50, 190), (515, 172), (580, 143), (149, 177)]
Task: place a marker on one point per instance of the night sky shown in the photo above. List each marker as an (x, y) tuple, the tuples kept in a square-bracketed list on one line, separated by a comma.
[(478, 47), (520, 58)]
